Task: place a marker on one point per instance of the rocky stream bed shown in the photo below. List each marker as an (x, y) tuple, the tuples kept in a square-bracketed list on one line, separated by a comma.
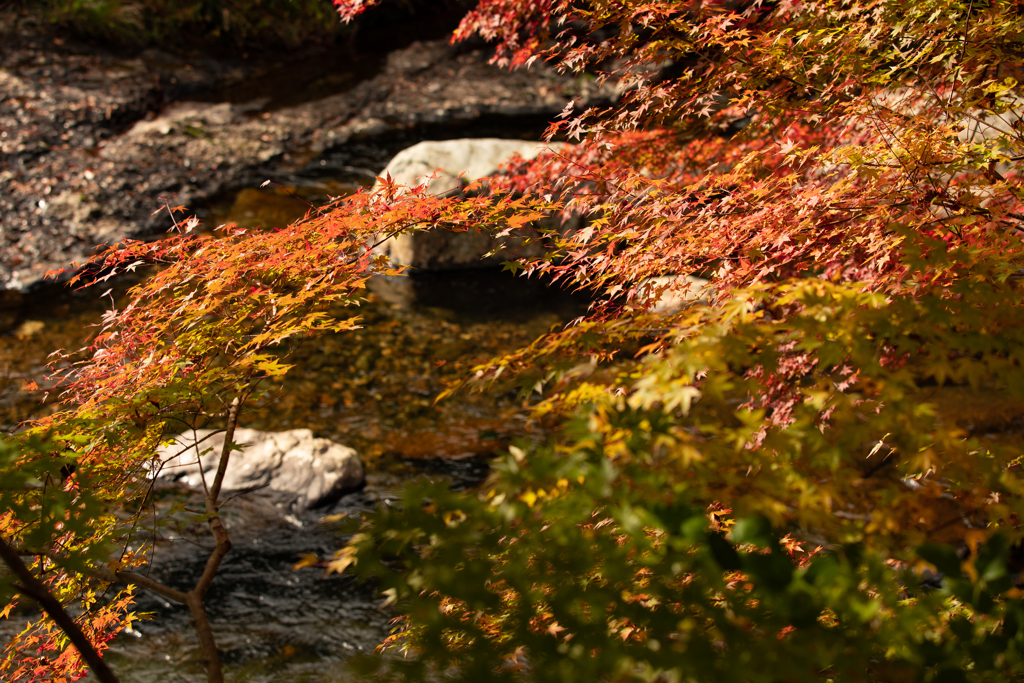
[(371, 389), (94, 141)]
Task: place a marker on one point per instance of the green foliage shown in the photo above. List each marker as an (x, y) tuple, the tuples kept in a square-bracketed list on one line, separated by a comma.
[(658, 595), (42, 483), (49, 501), (760, 486), (609, 554)]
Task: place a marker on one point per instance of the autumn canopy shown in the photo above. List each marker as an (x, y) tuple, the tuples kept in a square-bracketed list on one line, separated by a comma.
[(808, 470)]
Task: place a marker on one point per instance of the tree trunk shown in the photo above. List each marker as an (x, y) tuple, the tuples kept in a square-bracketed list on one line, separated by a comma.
[(214, 672)]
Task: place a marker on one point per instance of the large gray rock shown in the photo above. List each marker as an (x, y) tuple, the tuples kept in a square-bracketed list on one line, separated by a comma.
[(474, 159), (309, 471)]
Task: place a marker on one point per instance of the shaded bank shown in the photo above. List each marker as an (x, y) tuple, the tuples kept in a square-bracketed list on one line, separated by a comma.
[(222, 26), (95, 142)]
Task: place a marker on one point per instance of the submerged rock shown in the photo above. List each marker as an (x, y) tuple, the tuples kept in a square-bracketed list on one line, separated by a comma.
[(446, 161), (308, 471)]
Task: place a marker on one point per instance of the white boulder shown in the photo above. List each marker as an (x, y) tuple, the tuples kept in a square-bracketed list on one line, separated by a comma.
[(308, 470), (473, 159), (671, 293)]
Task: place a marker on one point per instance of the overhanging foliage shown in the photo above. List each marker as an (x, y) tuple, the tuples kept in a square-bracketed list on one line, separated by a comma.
[(776, 483)]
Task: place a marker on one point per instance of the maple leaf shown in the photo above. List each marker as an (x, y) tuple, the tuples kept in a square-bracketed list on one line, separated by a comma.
[(856, 269)]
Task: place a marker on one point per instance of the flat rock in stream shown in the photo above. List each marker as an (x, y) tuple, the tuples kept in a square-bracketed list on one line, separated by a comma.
[(671, 293), (308, 471), (439, 165)]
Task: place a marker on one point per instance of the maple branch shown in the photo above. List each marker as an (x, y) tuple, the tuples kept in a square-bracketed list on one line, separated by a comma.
[(225, 455), (387, 235), (271, 182), (190, 446), (214, 672), (34, 588), (963, 49), (216, 557), (243, 492), (194, 598), (119, 577), (170, 212), (143, 581)]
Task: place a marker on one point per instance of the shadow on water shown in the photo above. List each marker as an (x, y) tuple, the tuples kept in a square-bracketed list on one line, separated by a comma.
[(277, 81), (290, 83), (371, 388), (474, 296)]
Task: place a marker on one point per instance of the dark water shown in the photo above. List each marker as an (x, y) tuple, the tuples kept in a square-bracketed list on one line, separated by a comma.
[(276, 81), (299, 80), (373, 389)]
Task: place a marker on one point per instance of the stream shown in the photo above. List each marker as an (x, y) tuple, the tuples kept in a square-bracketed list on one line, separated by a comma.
[(320, 125), (372, 389)]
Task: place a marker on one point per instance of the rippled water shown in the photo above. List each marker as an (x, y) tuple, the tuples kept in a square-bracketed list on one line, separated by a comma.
[(373, 389), (273, 624)]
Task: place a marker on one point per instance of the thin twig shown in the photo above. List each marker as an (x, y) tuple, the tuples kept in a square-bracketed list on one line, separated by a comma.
[(963, 52), (243, 492)]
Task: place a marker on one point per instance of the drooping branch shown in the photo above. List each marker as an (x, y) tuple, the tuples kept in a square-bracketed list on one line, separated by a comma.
[(194, 598), (34, 588), (143, 581)]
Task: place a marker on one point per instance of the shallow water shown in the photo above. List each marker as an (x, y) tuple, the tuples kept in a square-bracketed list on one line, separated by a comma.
[(273, 624), (372, 389)]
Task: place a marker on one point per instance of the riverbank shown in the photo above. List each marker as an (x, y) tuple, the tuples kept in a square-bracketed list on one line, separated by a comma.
[(94, 142)]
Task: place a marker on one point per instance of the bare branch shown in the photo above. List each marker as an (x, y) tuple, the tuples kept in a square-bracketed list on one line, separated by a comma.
[(225, 455)]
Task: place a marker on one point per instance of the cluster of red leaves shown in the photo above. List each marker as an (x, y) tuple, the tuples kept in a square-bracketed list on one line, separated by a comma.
[(756, 144), (222, 311), (220, 314), (41, 653), (350, 9)]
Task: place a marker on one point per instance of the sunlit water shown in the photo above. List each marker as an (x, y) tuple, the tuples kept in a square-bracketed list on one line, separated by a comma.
[(373, 389)]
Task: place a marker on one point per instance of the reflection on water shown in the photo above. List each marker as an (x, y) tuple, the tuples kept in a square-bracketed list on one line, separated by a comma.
[(35, 325), (373, 389), (276, 206), (297, 81)]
